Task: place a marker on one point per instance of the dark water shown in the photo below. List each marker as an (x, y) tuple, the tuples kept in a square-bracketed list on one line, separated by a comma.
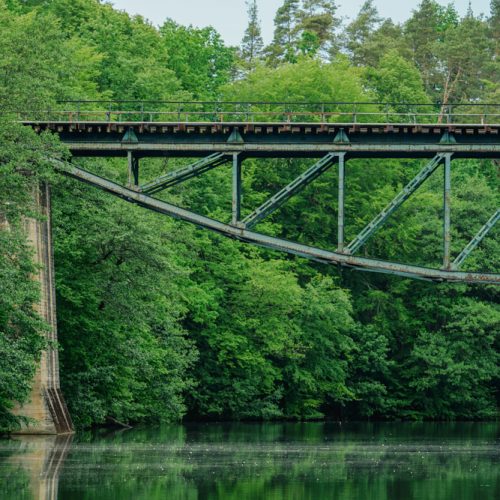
[(259, 461)]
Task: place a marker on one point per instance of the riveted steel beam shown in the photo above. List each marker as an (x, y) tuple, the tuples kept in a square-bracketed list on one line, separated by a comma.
[(381, 218), (316, 254), (236, 191), (172, 178), (476, 240), (288, 191)]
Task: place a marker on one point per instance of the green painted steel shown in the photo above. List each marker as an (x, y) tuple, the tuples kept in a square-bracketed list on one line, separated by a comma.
[(224, 132), (341, 205), (483, 232), (291, 189), (236, 201), (447, 213), (255, 111), (133, 169), (382, 217), (316, 254), (172, 178)]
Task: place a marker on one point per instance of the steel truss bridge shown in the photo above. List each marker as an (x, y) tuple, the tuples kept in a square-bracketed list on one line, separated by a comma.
[(330, 134)]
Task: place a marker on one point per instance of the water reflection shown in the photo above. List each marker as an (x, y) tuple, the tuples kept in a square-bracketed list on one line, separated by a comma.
[(30, 466), (253, 461)]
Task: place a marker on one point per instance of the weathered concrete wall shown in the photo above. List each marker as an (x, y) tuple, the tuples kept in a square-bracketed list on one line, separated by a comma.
[(46, 405)]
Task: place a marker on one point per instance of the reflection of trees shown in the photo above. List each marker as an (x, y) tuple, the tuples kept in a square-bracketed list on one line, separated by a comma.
[(281, 461)]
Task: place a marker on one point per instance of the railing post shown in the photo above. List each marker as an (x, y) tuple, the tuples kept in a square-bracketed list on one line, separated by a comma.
[(341, 198), (447, 212), (236, 205)]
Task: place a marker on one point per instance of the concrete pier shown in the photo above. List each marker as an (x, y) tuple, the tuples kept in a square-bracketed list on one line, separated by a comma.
[(46, 405)]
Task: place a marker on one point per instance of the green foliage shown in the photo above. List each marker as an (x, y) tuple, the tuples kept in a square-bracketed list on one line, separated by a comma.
[(303, 27), (252, 43), (396, 80), (120, 302), (307, 80), (270, 348), (24, 164), (198, 57), (359, 32), (158, 320)]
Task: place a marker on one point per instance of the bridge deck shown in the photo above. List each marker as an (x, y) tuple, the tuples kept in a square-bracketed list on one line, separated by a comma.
[(329, 132), (275, 139)]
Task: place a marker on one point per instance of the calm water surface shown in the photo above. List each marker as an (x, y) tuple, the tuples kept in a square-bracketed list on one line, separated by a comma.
[(259, 461)]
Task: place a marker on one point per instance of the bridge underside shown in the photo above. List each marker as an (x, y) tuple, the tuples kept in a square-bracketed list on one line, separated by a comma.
[(242, 234)]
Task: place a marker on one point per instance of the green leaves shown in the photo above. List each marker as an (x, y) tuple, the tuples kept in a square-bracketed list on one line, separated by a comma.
[(157, 319)]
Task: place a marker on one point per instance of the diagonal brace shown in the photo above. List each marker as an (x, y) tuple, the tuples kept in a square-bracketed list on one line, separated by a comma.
[(293, 188), (172, 178), (408, 190), (476, 240)]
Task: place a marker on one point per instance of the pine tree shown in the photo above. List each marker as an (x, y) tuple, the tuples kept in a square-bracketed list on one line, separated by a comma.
[(306, 27), (286, 33), (317, 20), (424, 31), (494, 23), (359, 31), (252, 43)]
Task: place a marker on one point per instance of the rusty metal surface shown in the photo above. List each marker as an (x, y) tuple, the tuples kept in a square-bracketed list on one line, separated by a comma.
[(282, 138)]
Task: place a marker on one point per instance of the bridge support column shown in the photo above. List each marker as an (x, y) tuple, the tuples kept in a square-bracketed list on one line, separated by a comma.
[(133, 170), (236, 204), (46, 406), (341, 203), (447, 213)]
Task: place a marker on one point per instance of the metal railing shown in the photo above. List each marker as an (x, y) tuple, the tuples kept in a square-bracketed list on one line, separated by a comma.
[(259, 111)]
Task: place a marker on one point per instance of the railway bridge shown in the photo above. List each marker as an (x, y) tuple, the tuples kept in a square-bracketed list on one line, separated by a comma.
[(217, 133)]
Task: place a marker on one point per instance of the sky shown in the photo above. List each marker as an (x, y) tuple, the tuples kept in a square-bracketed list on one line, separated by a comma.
[(229, 17)]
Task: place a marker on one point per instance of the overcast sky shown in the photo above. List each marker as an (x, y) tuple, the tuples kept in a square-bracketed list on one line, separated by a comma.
[(229, 16)]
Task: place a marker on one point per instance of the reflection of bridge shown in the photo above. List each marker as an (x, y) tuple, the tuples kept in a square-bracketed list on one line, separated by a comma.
[(41, 459), (214, 134)]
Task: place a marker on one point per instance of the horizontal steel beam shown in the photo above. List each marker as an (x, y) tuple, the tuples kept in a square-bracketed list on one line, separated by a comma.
[(172, 178), (284, 150), (271, 242), (382, 217), (291, 189), (476, 240)]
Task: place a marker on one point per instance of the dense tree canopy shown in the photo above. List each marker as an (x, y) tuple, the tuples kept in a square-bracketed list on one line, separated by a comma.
[(158, 320)]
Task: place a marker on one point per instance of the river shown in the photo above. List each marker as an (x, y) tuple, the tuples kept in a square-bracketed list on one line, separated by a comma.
[(275, 461)]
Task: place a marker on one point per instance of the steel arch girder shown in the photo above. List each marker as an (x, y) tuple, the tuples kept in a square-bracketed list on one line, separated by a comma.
[(324, 256)]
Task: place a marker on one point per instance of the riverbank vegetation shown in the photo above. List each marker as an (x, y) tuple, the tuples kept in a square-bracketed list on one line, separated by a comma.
[(159, 321)]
